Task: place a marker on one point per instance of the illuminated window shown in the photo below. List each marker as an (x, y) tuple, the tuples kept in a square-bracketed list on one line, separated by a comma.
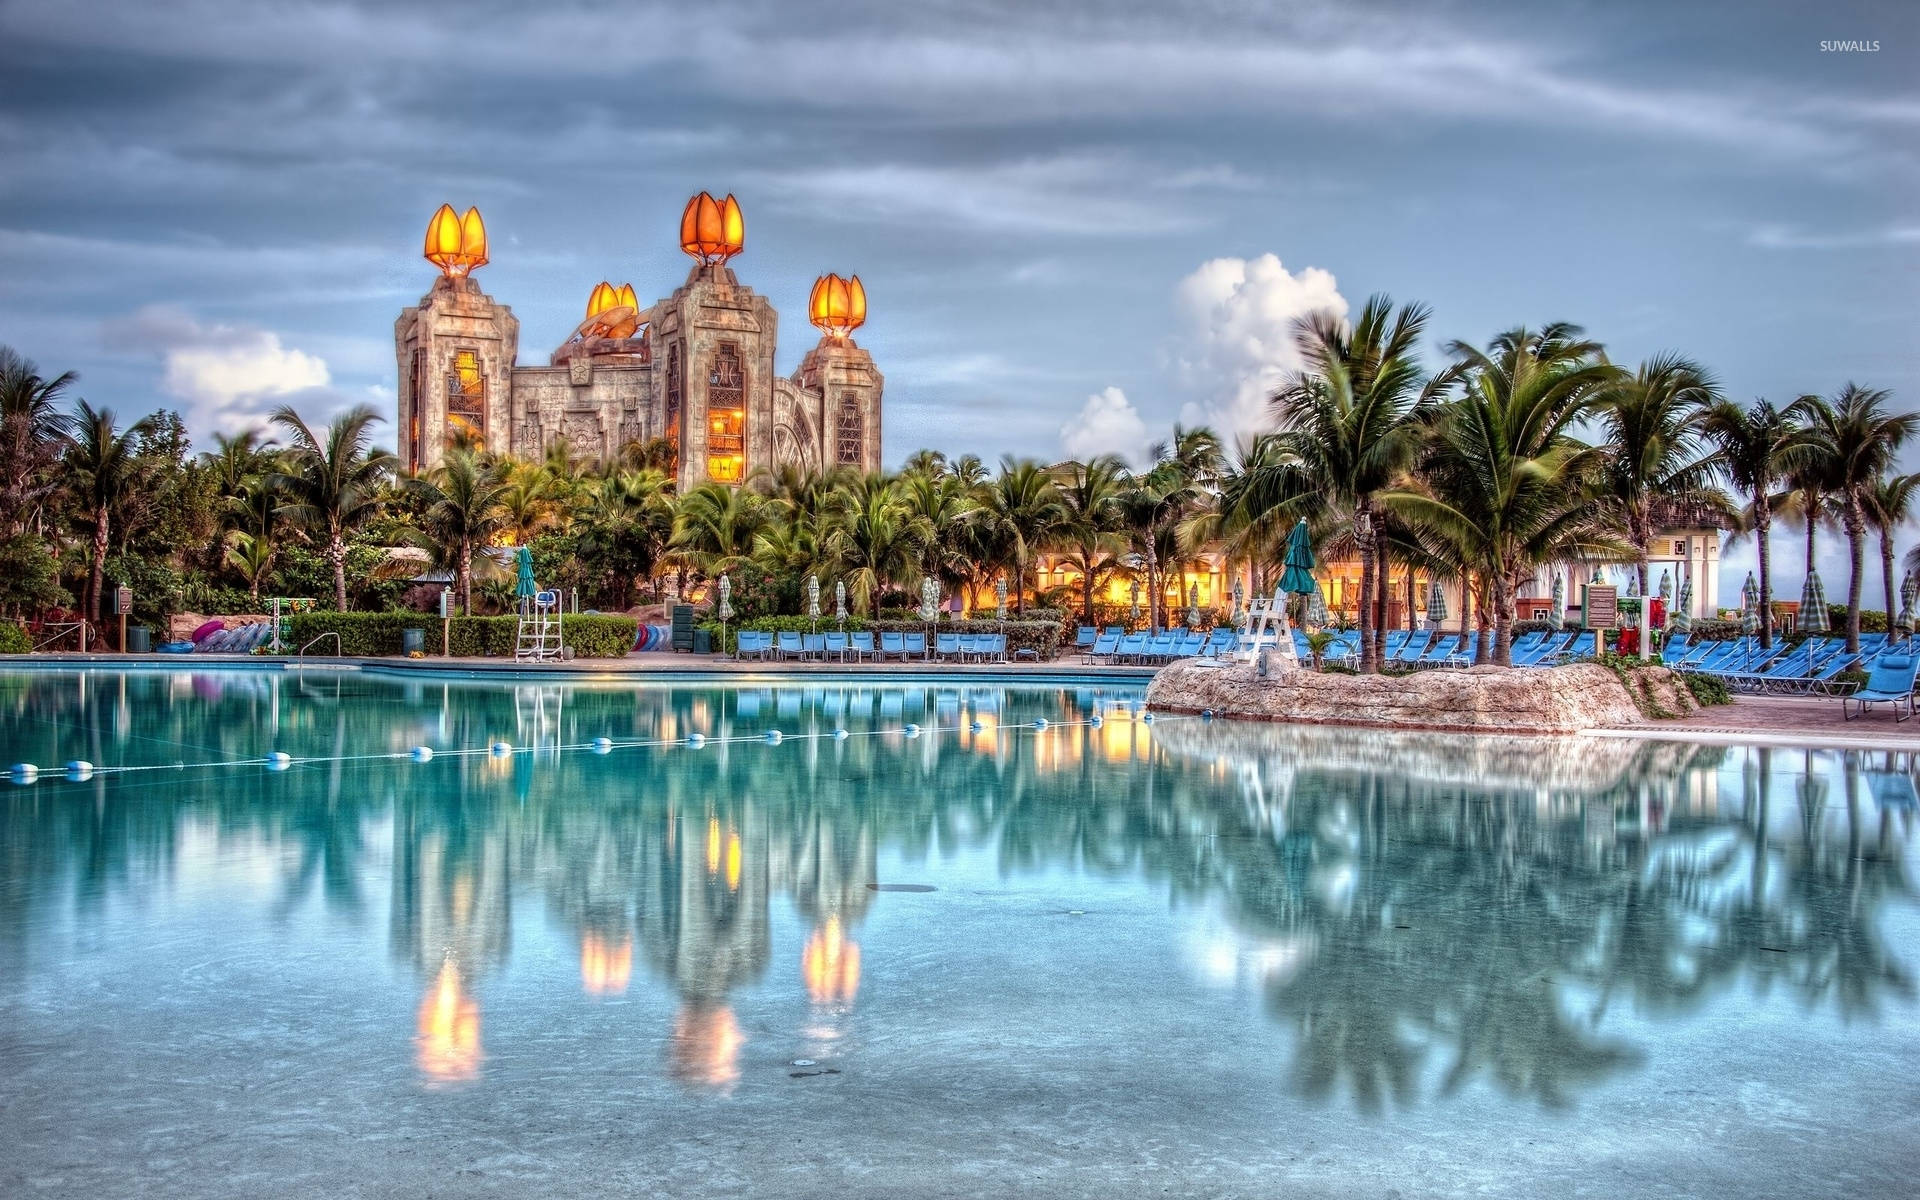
[(851, 443), (466, 398), (675, 399), (417, 394), (726, 416)]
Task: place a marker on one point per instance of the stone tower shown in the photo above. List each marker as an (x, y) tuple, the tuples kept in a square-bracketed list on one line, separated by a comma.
[(713, 343), (456, 352), (848, 386)]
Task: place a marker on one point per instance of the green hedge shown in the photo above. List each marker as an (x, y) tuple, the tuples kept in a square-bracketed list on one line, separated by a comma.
[(378, 634), (13, 639)]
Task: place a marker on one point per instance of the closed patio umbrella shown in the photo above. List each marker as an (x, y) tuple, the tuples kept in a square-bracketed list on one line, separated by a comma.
[(1558, 614), (1633, 583), (813, 599), (1239, 595), (1909, 592), (1297, 579), (1750, 607), (524, 588), (1813, 605), (1000, 598), (725, 610), (1133, 610), (1666, 584), (1680, 620), (929, 600), (840, 600), (1193, 606), (1317, 615), (1436, 604)]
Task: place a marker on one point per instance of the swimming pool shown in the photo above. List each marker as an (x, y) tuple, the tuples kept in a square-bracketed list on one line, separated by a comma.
[(997, 938)]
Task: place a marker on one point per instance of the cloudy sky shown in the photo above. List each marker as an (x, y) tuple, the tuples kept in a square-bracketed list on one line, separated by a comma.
[(1078, 223)]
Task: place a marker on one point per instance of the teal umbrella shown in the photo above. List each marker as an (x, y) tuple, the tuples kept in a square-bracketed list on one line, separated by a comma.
[(1436, 604), (524, 587), (1297, 579), (1813, 605), (1750, 607), (1680, 620)]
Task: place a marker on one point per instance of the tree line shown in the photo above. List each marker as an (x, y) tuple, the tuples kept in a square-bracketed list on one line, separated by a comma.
[(1534, 450)]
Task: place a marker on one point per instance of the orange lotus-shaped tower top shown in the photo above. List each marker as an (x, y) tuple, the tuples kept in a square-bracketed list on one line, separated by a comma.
[(837, 306), (606, 296), (713, 231), (456, 244)]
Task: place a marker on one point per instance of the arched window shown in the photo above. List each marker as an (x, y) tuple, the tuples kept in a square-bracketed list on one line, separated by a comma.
[(675, 398), (851, 444), (467, 399)]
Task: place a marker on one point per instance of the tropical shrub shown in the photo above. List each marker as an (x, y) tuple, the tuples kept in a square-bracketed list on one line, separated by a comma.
[(1872, 620), (13, 639), (589, 635), (1706, 689)]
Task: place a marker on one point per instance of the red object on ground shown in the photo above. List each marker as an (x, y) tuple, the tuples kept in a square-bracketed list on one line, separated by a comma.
[(1629, 641)]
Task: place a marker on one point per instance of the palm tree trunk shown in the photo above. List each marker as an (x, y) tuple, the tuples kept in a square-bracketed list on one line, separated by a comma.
[(1856, 567), (337, 554), (1886, 573), (466, 577), (1502, 620), (1153, 583), (96, 578), (1381, 588), (1762, 524), (1363, 538)]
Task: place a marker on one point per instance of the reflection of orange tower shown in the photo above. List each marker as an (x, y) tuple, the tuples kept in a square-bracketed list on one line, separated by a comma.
[(447, 1048)]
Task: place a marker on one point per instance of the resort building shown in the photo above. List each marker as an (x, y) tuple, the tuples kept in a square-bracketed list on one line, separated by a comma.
[(695, 368), (1687, 546)]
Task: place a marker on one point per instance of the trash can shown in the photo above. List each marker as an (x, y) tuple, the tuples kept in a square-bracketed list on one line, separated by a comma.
[(139, 639), (413, 641), (703, 641)]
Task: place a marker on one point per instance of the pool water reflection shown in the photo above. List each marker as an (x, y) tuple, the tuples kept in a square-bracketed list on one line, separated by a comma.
[(1295, 921)]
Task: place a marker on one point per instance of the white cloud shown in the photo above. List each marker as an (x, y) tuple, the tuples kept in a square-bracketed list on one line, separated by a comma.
[(1235, 340), (1106, 424), (227, 377)]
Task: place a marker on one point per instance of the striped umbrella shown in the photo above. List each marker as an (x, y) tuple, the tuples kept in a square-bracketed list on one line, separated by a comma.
[(929, 600), (1317, 610), (1436, 604), (1239, 596), (726, 598), (813, 597), (1749, 618), (1666, 585), (1680, 620), (1813, 605), (1909, 592), (1633, 583), (840, 600), (1193, 606), (1000, 598), (1559, 612)]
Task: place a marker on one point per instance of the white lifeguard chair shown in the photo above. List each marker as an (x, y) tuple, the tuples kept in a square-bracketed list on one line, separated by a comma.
[(539, 638), (1267, 628)]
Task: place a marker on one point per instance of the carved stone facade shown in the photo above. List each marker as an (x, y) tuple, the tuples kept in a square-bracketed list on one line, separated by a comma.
[(699, 372)]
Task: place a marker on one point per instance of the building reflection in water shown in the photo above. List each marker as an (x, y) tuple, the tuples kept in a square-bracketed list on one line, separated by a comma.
[(1420, 914)]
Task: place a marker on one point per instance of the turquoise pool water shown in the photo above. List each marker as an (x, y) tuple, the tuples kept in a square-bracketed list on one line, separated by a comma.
[(1178, 957)]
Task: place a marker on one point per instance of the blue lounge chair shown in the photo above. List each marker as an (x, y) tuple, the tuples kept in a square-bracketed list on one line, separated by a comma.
[(837, 646), (860, 645), (892, 645), (916, 645), (946, 646), (790, 646), (1132, 648), (1191, 645), (1084, 637), (813, 646), (1552, 644), (1674, 649), (1105, 646), (753, 644), (1891, 682), (1411, 650), (1441, 649)]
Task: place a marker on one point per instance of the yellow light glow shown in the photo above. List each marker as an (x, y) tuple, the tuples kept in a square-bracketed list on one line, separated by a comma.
[(712, 231), (454, 243), (448, 1047), (733, 862), (705, 1048), (605, 968), (830, 964), (713, 846), (837, 306)]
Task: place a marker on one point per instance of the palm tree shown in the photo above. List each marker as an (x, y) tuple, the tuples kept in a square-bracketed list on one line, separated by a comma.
[(1090, 499), (1504, 486), (1856, 439), (1657, 452), (877, 540), (102, 470), (463, 510), (33, 431), (531, 501), (1889, 506), (944, 502), (718, 527), (1019, 515), (624, 523), (236, 460), (1349, 428), (252, 555), (332, 481), (1758, 448)]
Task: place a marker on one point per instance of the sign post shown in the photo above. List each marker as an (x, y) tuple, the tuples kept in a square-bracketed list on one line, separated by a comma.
[(1600, 611), (446, 622), (122, 605)]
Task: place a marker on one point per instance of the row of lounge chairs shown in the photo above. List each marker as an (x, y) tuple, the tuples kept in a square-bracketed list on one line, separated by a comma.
[(1811, 668), (862, 646)]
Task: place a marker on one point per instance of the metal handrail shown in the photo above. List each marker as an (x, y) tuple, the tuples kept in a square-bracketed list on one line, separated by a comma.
[(60, 631), (338, 650)]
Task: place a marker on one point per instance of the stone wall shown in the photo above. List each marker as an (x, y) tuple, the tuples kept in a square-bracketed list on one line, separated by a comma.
[(1484, 699)]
